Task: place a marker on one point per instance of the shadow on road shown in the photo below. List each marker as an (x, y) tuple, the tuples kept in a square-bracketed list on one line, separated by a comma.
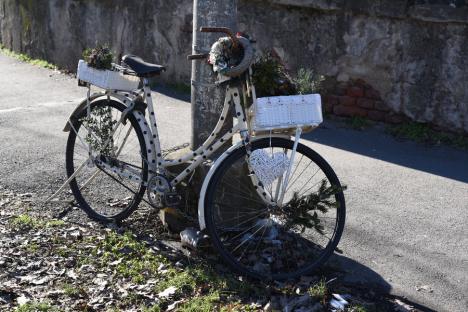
[(439, 160), (363, 279)]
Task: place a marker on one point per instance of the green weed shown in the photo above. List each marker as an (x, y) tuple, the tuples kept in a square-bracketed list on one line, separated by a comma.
[(26, 58), (36, 307), (55, 223), (72, 290), (423, 133), (319, 290), (25, 222), (307, 81), (358, 123), (357, 308), (206, 303)]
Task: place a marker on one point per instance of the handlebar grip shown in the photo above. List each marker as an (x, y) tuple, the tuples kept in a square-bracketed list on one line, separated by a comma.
[(197, 56)]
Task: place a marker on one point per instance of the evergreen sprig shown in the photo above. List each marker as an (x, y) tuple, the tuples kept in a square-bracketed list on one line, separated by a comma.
[(301, 211)]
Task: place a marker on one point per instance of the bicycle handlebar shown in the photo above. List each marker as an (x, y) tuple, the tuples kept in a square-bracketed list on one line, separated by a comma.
[(237, 42), (198, 56), (225, 30)]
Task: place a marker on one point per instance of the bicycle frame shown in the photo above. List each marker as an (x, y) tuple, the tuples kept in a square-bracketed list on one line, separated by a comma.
[(156, 161), (154, 153)]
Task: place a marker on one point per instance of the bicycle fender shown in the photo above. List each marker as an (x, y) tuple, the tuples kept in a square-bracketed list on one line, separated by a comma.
[(214, 167)]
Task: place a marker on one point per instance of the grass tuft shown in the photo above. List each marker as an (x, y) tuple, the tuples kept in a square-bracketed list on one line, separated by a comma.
[(26, 58), (423, 133), (319, 291), (358, 123), (25, 222), (36, 307)]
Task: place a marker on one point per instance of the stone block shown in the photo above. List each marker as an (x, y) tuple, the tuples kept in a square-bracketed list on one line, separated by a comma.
[(346, 100), (365, 103)]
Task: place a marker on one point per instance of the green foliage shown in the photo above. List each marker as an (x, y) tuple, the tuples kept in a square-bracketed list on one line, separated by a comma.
[(100, 123), (26, 58), (72, 290), (25, 222), (422, 132), (136, 261), (205, 303), (36, 307), (319, 291), (301, 211), (357, 308), (100, 57), (307, 81), (270, 77), (358, 123)]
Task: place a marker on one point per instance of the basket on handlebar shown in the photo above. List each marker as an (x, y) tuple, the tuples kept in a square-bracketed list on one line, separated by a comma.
[(285, 113), (106, 79)]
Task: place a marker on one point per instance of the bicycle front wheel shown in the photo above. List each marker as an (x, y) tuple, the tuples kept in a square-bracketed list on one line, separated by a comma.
[(99, 186), (268, 240)]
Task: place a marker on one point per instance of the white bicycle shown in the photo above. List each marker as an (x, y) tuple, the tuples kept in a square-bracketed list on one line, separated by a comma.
[(273, 208)]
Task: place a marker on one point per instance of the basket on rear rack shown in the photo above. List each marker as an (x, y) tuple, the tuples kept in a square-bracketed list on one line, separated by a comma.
[(286, 113), (106, 79)]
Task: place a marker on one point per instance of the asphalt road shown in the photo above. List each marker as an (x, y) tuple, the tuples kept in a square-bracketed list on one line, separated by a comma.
[(407, 221)]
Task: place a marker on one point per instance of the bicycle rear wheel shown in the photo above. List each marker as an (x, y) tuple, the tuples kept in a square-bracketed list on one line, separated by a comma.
[(268, 241), (102, 191)]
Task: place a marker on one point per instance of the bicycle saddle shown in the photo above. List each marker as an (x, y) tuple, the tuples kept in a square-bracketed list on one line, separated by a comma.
[(142, 68)]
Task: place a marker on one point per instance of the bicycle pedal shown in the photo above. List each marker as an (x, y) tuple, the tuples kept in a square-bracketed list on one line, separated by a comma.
[(172, 199)]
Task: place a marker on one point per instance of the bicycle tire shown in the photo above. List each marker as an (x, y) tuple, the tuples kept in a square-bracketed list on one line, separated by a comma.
[(70, 166), (212, 212)]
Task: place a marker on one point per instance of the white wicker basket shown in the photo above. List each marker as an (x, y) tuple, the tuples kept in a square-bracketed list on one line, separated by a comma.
[(106, 79), (285, 112)]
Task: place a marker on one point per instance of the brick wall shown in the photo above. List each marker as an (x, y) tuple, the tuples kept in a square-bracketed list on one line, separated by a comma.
[(358, 98)]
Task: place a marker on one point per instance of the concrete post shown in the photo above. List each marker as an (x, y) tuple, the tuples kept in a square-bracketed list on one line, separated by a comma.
[(207, 102)]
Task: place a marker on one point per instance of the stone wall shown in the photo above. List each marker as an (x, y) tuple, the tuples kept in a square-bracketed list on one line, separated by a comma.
[(413, 53)]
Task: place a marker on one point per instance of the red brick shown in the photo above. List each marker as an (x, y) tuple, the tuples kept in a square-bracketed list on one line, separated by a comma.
[(394, 119), (342, 110), (381, 106), (327, 107), (376, 115), (331, 99), (346, 100), (365, 103), (355, 91), (371, 93)]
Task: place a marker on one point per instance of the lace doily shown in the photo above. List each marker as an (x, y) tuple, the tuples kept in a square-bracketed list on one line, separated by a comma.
[(268, 167)]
